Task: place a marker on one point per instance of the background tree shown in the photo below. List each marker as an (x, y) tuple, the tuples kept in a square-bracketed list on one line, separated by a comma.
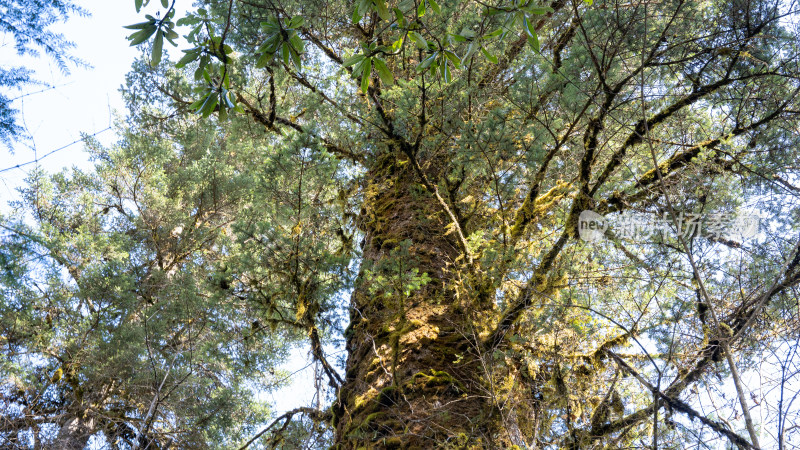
[(26, 23), (458, 144), (116, 314)]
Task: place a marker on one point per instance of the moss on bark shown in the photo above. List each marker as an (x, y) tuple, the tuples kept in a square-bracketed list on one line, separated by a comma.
[(412, 378)]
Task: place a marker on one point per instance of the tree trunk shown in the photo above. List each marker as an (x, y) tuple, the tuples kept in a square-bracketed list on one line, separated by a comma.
[(413, 380), (74, 434)]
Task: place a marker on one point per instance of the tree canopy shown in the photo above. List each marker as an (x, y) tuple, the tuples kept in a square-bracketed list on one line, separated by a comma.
[(26, 24), (400, 188)]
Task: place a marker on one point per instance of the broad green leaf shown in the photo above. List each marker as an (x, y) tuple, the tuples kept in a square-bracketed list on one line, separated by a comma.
[(270, 26), (209, 105), (445, 71), (528, 27), (397, 45), (223, 112), (453, 58), (383, 10), (141, 36), (428, 61), (192, 36), (533, 39), (171, 36), (401, 20), (295, 58), (352, 60), (190, 56), (359, 67), (138, 26), (263, 60), (489, 56), (435, 6), (365, 75), (165, 3), (203, 102), (223, 97), (201, 67), (493, 34), (297, 43), (383, 71), (158, 45), (364, 6), (138, 4), (199, 103), (270, 45), (188, 20), (361, 9), (541, 10), (418, 39), (533, 42), (285, 53), (230, 99)]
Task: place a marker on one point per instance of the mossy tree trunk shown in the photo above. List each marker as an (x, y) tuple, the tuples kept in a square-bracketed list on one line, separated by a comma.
[(74, 433), (413, 373)]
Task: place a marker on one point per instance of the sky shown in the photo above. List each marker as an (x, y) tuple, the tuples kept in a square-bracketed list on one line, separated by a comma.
[(81, 102), (86, 101)]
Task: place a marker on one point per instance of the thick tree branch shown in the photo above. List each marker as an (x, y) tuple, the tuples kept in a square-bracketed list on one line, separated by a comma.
[(637, 136), (680, 405), (286, 418), (265, 120)]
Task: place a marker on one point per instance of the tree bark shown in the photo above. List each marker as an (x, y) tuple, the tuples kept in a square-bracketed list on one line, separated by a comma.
[(413, 379), (74, 433)]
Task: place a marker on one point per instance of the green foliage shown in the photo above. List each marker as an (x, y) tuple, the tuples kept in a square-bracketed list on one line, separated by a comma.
[(26, 24), (124, 293), (441, 155), (466, 139), (396, 276), (282, 41), (160, 28), (13, 78)]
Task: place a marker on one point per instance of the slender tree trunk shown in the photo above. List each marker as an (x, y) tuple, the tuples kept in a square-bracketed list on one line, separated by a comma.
[(413, 378)]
